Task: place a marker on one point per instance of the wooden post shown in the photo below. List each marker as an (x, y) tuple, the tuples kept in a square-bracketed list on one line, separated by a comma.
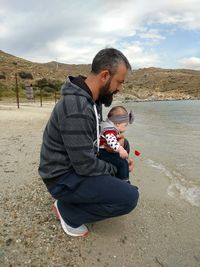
[(40, 97), (55, 97), (17, 90), (33, 96)]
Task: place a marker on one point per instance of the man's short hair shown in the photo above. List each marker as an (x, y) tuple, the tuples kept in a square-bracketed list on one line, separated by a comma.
[(109, 59)]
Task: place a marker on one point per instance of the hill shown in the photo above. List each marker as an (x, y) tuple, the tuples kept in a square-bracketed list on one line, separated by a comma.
[(142, 84)]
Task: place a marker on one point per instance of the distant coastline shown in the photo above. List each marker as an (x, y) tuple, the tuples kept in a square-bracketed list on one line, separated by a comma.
[(124, 99), (145, 84), (157, 100)]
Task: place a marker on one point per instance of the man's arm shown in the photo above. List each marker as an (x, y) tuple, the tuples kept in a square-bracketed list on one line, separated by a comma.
[(77, 134)]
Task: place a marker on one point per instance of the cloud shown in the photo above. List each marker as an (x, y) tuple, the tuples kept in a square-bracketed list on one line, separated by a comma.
[(73, 31), (182, 13), (151, 36), (190, 63), (138, 57), (187, 20)]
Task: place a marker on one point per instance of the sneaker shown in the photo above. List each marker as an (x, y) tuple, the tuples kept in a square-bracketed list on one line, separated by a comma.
[(79, 231)]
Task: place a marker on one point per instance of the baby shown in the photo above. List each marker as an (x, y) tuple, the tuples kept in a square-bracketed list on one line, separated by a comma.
[(116, 123)]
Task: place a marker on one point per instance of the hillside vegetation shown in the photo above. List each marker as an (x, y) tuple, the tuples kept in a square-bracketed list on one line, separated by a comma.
[(142, 84)]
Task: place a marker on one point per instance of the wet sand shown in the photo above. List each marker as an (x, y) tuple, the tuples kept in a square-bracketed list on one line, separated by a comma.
[(161, 231)]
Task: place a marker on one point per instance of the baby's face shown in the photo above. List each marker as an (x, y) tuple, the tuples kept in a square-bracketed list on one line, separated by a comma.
[(122, 126)]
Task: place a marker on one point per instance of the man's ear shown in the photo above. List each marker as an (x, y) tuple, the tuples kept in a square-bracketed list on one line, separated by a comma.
[(105, 76)]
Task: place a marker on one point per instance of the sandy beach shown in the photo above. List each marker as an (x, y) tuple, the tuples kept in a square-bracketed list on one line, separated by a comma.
[(161, 231)]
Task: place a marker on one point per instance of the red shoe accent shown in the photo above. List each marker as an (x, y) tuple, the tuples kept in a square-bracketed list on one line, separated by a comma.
[(86, 234), (57, 215)]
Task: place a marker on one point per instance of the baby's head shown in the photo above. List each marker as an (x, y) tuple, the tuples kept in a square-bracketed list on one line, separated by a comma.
[(120, 117)]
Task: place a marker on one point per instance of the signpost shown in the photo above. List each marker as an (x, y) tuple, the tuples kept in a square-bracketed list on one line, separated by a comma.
[(40, 97)]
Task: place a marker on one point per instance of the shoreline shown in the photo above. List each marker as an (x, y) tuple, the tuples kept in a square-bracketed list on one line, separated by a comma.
[(117, 98), (159, 100)]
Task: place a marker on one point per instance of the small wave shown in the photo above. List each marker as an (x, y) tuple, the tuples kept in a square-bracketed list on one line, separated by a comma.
[(179, 187), (191, 194), (159, 167)]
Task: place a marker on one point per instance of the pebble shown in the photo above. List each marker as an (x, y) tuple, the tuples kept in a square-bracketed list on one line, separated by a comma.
[(30, 233)]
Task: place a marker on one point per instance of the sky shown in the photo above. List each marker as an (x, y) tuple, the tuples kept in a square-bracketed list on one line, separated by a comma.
[(150, 33)]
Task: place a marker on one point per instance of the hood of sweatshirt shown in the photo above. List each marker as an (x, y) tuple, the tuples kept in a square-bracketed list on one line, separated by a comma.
[(77, 86)]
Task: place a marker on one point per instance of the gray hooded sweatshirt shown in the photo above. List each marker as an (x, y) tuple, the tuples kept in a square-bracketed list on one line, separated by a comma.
[(70, 135)]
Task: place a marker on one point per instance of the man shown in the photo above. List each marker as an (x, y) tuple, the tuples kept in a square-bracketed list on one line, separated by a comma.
[(85, 187)]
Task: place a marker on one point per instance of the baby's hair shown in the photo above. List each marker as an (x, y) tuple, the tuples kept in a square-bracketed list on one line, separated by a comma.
[(117, 110)]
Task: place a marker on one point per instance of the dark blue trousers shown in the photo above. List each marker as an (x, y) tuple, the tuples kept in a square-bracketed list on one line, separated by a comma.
[(115, 159), (93, 198)]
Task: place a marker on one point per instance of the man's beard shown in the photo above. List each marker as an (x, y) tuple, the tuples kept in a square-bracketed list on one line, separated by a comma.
[(106, 97)]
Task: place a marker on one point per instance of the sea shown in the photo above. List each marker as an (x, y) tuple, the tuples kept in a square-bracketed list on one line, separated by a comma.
[(167, 133)]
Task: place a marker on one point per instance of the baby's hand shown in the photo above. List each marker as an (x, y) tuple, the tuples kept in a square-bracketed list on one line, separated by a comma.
[(122, 152), (120, 139)]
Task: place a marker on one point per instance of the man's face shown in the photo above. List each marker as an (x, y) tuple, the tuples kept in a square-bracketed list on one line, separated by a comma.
[(106, 97), (113, 85)]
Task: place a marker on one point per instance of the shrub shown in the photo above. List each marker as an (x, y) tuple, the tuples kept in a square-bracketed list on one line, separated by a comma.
[(48, 89), (49, 85), (46, 94), (25, 75), (58, 84), (5, 91), (42, 83), (2, 75)]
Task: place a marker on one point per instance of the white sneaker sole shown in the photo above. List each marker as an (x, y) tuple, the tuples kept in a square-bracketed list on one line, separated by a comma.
[(55, 207)]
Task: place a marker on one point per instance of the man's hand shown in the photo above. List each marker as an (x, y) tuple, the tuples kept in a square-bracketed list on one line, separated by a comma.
[(123, 153), (130, 164)]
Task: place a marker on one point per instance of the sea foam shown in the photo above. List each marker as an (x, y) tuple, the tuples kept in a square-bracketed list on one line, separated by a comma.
[(179, 187)]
